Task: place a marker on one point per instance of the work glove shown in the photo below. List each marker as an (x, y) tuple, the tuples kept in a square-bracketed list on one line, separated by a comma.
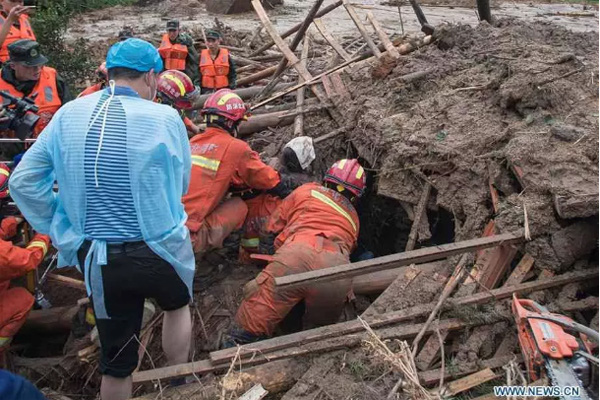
[(40, 241), (9, 225), (287, 184)]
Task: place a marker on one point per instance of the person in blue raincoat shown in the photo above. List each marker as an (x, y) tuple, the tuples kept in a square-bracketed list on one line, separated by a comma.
[(122, 164)]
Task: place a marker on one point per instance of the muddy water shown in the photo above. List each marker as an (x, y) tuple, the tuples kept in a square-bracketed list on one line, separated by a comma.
[(149, 21)]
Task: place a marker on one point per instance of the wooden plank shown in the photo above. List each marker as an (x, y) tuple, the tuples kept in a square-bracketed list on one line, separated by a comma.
[(397, 260), (301, 349), (331, 40), (521, 270), (494, 196), (299, 121), (497, 265), (429, 352), (385, 40), (468, 382), (262, 74), (297, 27), (362, 29), (291, 57), (518, 172), (66, 281), (338, 86), (394, 317), (432, 377), (421, 207)]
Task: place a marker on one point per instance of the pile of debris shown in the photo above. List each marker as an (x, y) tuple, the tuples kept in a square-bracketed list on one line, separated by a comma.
[(482, 149)]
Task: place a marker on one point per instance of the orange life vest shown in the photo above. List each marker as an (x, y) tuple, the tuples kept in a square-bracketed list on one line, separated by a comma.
[(214, 72), (46, 97), (173, 54), (92, 89), (23, 32)]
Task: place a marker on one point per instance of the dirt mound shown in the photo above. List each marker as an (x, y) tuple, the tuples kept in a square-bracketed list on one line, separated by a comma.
[(492, 101)]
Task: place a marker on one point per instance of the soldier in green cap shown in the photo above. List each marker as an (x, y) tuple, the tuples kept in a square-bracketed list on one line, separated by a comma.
[(178, 52), (216, 66), (26, 75)]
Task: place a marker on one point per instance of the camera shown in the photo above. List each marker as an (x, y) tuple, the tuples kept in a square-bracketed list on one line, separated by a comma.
[(19, 114)]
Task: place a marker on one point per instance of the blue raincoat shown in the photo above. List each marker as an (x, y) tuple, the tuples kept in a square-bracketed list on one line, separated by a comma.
[(160, 164)]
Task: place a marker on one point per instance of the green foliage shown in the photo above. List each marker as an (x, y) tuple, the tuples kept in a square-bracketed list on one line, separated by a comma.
[(72, 60)]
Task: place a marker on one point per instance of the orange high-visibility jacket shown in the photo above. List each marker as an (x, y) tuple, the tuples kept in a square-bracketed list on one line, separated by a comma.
[(46, 97), (91, 89), (219, 161), (16, 261), (23, 32), (314, 210), (214, 72), (174, 55)]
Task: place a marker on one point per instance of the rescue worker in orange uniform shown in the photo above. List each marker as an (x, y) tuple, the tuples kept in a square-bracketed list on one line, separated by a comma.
[(295, 159), (217, 70), (15, 262), (25, 75), (178, 52), (315, 227), (15, 25), (221, 162), (102, 76), (176, 89)]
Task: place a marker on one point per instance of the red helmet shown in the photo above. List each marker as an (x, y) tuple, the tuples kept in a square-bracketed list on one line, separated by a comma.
[(177, 89), (102, 72), (226, 104), (4, 174), (349, 174)]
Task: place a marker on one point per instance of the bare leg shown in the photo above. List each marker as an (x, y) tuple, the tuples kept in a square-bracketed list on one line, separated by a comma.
[(115, 388), (177, 335)]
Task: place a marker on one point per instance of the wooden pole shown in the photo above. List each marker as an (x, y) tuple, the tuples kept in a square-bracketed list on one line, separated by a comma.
[(295, 42), (244, 93), (331, 40), (296, 27), (299, 122), (421, 207), (291, 57), (265, 73), (397, 260), (362, 29), (387, 43)]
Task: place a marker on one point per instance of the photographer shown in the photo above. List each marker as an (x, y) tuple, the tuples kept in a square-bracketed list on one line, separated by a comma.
[(15, 262), (15, 25)]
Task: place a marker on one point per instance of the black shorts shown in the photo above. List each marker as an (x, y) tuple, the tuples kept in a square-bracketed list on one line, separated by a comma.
[(133, 273)]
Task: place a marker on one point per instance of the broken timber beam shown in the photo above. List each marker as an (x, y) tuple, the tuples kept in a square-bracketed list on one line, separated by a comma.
[(468, 382), (331, 40), (299, 121), (397, 260), (244, 93), (297, 27), (265, 73), (57, 319), (432, 377), (576, 205), (394, 317), (291, 57), (377, 282), (257, 351), (66, 281), (387, 43), (299, 349), (421, 207), (362, 29), (281, 67)]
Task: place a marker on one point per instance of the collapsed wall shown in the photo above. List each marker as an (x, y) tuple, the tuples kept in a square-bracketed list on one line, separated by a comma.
[(514, 107)]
